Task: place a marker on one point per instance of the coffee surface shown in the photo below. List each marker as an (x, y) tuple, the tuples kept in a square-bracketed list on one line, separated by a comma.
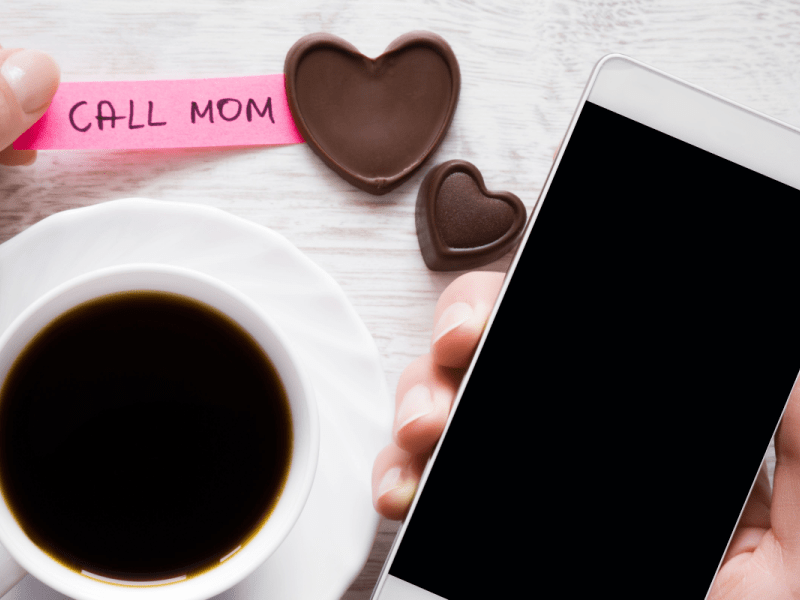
[(143, 436)]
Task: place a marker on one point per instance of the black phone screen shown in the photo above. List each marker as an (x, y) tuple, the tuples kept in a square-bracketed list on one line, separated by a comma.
[(630, 384)]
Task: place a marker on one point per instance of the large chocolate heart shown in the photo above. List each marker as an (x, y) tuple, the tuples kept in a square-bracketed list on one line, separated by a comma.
[(373, 121), (462, 225)]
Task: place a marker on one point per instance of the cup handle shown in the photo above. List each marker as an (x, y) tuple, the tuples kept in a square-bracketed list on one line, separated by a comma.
[(10, 571)]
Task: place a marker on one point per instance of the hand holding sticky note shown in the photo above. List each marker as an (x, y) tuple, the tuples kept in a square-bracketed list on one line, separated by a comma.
[(186, 113)]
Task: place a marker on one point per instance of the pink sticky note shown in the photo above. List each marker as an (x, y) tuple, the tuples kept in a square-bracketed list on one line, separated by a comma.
[(184, 113)]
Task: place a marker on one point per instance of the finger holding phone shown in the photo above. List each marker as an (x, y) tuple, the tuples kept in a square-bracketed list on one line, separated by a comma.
[(427, 388)]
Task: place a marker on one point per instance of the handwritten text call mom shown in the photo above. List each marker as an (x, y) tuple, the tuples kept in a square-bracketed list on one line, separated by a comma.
[(228, 109)]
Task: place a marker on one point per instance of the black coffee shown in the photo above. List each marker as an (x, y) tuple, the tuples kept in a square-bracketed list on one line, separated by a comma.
[(143, 436)]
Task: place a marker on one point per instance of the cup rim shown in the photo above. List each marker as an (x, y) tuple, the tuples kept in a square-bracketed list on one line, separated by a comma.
[(222, 296)]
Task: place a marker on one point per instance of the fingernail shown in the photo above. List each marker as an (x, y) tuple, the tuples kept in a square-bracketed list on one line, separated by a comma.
[(417, 402), (389, 481), (454, 315), (33, 76)]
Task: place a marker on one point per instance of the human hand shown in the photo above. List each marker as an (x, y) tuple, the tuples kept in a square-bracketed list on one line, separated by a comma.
[(427, 387), (763, 560), (28, 81)]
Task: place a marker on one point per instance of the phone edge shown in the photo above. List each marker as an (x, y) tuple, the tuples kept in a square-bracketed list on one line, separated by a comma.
[(465, 380)]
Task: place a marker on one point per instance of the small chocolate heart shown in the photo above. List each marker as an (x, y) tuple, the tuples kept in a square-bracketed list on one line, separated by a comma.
[(373, 121), (460, 224)]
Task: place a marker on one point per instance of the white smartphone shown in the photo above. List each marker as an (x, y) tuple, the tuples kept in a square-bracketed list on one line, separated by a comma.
[(613, 421)]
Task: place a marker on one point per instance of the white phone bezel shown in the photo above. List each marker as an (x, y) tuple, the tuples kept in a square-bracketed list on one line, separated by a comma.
[(672, 106)]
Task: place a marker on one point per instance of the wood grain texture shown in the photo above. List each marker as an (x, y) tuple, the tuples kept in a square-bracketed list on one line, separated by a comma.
[(524, 65)]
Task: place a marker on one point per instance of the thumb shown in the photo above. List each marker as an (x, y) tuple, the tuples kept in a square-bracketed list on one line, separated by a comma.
[(28, 81), (784, 517)]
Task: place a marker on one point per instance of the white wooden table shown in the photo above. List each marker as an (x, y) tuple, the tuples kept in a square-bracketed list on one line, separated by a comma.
[(523, 68)]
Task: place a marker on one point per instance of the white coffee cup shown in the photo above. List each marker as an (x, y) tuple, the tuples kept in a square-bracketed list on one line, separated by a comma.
[(22, 555)]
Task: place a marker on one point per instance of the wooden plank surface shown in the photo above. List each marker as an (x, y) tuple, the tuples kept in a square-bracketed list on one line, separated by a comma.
[(524, 65)]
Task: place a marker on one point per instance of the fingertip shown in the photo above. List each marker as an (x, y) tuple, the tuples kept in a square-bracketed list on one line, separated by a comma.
[(417, 403), (395, 495), (421, 416), (471, 287), (33, 77), (455, 347), (452, 317), (28, 81), (395, 477), (425, 393), (461, 315)]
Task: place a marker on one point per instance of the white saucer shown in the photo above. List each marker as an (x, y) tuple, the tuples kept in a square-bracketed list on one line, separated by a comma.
[(331, 541)]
